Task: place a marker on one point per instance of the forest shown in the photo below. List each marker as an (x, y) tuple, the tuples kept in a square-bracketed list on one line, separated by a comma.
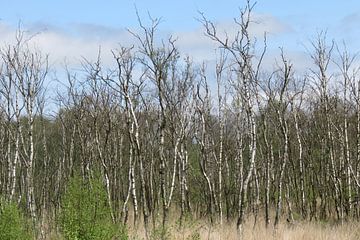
[(158, 140)]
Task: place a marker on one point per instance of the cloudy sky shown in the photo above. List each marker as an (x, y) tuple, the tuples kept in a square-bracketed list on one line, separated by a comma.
[(73, 29)]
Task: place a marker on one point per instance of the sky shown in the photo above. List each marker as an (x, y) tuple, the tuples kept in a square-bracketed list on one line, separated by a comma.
[(72, 29)]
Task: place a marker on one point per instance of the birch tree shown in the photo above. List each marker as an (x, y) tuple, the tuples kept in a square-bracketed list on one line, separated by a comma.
[(29, 68), (241, 48)]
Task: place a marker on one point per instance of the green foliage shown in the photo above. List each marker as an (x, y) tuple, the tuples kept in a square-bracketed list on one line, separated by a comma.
[(86, 214), (195, 178), (13, 224)]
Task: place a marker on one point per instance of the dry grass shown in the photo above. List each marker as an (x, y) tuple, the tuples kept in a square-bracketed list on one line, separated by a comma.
[(195, 230)]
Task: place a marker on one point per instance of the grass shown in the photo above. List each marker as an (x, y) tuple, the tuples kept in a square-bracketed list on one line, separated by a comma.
[(197, 230)]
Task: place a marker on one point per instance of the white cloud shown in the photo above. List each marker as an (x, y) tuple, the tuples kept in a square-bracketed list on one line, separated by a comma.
[(71, 44), (349, 22), (269, 24), (200, 47), (78, 40)]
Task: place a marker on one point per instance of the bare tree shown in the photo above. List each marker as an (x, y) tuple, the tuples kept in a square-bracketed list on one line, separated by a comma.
[(247, 71), (28, 69), (348, 74), (280, 104), (322, 57), (159, 62)]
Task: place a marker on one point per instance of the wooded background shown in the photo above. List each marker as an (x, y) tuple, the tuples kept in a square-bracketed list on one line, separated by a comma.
[(167, 137)]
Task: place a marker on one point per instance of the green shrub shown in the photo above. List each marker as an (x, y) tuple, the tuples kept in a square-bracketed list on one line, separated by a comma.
[(85, 213), (13, 225)]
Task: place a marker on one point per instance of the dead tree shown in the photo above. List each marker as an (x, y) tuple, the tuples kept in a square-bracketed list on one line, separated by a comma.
[(29, 68), (240, 48), (204, 140), (322, 57), (348, 73), (159, 61), (280, 103)]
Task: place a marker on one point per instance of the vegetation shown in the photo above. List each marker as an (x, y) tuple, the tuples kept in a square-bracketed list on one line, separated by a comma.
[(85, 214), (13, 224), (299, 231), (157, 137)]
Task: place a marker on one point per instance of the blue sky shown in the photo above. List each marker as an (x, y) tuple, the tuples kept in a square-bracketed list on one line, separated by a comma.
[(76, 28), (176, 14)]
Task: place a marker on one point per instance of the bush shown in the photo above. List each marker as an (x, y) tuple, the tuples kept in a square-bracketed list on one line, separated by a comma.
[(13, 225), (85, 213)]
